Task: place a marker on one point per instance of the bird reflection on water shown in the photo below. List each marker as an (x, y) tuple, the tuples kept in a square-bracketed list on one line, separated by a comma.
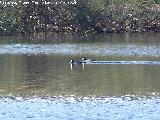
[(73, 63)]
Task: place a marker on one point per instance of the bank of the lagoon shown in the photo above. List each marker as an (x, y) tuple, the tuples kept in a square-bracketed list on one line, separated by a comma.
[(79, 16)]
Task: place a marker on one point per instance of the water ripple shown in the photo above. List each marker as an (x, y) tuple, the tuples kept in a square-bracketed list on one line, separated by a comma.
[(74, 49), (82, 108)]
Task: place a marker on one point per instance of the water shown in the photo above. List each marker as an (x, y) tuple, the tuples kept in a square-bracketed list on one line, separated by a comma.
[(37, 82), (101, 49), (80, 108)]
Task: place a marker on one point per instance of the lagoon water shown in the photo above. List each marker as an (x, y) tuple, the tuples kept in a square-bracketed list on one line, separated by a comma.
[(37, 82)]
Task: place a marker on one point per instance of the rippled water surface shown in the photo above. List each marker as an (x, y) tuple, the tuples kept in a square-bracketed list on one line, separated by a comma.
[(37, 81), (70, 108)]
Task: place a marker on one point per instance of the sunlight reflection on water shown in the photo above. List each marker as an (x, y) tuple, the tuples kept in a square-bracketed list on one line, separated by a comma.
[(80, 108), (74, 49)]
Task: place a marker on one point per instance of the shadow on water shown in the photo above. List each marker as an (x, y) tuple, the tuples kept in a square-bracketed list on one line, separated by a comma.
[(87, 38)]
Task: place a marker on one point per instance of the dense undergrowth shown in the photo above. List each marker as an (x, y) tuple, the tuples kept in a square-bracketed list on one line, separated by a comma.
[(95, 16)]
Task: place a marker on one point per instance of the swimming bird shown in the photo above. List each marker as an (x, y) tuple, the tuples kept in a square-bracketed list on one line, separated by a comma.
[(87, 60), (77, 62)]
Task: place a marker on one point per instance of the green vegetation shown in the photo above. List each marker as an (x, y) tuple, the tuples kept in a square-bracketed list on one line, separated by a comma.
[(49, 16)]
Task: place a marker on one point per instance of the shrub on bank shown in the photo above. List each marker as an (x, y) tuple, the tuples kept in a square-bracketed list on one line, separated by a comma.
[(41, 16)]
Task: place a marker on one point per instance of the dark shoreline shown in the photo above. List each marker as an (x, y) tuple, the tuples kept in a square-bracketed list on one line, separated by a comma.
[(80, 37)]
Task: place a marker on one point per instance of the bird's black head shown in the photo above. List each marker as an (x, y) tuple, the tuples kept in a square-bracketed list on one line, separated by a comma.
[(83, 58), (72, 62)]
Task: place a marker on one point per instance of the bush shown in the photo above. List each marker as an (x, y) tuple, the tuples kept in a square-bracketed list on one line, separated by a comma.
[(28, 17)]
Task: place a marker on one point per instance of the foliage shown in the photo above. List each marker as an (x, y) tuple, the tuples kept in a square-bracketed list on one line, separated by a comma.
[(9, 19), (44, 16)]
